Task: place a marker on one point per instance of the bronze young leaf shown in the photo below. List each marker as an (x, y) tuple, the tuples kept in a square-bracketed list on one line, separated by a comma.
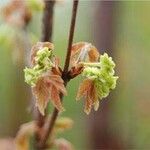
[(88, 90), (45, 76), (84, 51)]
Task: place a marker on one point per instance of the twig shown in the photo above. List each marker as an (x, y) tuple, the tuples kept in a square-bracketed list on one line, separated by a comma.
[(46, 36), (47, 28), (54, 116), (47, 21), (72, 27)]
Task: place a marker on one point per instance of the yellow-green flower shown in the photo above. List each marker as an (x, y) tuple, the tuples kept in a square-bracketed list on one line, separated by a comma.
[(43, 63), (102, 73)]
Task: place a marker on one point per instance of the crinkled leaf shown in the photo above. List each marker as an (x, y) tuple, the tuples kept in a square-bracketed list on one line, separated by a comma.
[(93, 54), (84, 51), (41, 93), (55, 97), (49, 87), (88, 90), (37, 47), (42, 59)]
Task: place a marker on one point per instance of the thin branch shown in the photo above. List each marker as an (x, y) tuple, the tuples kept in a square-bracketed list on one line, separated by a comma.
[(72, 27), (51, 122), (47, 28), (48, 21)]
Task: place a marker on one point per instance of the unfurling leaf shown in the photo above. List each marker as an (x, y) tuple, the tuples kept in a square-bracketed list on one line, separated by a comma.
[(83, 51), (45, 76), (23, 136), (99, 81), (75, 70), (88, 90), (42, 60), (63, 144), (49, 87), (38, 46), (42, 95)]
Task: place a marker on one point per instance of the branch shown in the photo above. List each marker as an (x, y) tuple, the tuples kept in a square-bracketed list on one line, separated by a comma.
[(72, 27), (51, 122), (47, 28), (47, 21)]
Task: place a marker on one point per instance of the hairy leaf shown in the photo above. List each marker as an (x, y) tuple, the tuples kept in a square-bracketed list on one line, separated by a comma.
[(41, 93), (39, 46), (88, 90), (49, 87), (84, 51)]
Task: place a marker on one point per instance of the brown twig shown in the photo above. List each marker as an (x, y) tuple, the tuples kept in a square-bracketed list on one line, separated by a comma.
[(47, 21), (51, 122), (46, 36), (47, 28), (72, 27)]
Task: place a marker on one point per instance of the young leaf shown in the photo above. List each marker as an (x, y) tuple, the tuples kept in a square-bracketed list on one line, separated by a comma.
[(45, 76), (42, 60), (41, 94), (88, 90), (84, 51), (39, 46), (49, 87)]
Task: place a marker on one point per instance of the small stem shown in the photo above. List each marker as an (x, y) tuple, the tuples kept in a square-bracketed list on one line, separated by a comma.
[(48, 21), (72, 27), (51, 121)]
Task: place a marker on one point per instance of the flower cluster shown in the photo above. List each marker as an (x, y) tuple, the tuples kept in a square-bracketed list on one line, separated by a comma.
[(102, 73), (45, 77), (99, 80), (43, 64)]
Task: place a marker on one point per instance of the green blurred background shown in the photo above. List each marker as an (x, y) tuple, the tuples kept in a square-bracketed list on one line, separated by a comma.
[(128, 105)]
